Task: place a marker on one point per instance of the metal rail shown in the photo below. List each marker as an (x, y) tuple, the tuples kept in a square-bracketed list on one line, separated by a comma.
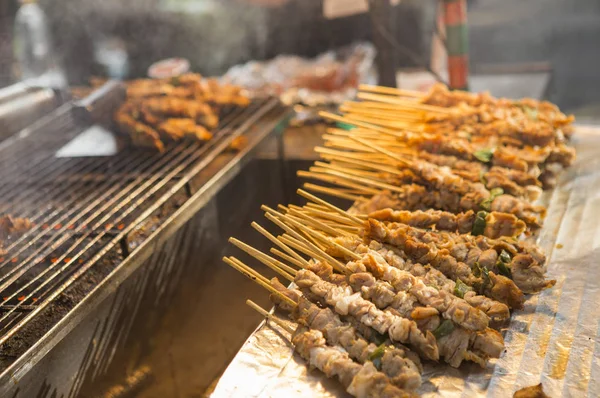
[(83, 208)]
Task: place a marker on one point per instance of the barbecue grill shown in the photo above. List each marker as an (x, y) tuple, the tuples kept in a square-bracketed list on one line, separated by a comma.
[(109, 244)]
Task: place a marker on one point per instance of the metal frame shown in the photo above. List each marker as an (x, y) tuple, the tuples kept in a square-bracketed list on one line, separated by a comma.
[(215, 169)]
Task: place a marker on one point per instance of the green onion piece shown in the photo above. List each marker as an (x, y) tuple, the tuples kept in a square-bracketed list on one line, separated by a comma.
[(484, 155), (444, 329), (503, 264), (460, 289), (479, 223), (377, 353), (486, 204), (483, 273), (175, 81), (504, 269), (505, 257), (482, 177)]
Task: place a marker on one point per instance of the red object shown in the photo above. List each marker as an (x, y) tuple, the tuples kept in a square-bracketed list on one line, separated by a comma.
[(169, 68)]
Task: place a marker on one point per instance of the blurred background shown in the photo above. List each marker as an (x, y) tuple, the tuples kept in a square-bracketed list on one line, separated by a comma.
[(121, 39), (545, 49)]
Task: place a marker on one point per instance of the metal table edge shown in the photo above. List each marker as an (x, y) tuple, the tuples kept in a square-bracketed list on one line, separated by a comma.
[(137, 257)]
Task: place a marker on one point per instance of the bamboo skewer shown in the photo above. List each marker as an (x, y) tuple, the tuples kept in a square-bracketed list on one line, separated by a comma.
[(320, 201), (366, 181), (272, 238), (325, 177), (256, 277), (337, 118), (330, 191), (286, 271), (384, 151), (318, 224), (269, 316), (278, 218), (326, 240), (286, 257), (391, 90), (403, 102)]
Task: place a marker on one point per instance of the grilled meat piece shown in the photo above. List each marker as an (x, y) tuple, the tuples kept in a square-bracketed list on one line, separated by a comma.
[(346, 302), (506, 291), (359, 380), (13, 227)]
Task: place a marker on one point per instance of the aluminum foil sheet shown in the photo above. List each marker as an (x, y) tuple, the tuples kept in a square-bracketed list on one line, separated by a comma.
[(554, 340)]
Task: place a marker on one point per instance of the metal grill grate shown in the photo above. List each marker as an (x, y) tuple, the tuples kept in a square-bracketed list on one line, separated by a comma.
[(85, 207)]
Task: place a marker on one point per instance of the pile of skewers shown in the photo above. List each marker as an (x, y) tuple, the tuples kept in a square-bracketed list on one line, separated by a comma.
[(157, 111), (437, 246)]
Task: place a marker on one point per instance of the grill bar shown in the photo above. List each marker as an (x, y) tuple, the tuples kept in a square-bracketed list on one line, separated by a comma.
[(76, 239)]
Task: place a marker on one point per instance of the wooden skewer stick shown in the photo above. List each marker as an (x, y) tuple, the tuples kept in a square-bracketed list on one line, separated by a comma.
[(325, 240), (286, 257), (364, 163), (398, 125), (317, 224), (296, 244), (320, 255), (351, 169), (320, 201), (339, 220), (315, 242), (390, 112), (330, 191), (364, 132), (279, 218), (366, 181), (337, 181), (269, 236), (391, 90), (269, 316), (399, 101), (259, 279), (384, 151), (285, 270), (382, 114), (342, 119)]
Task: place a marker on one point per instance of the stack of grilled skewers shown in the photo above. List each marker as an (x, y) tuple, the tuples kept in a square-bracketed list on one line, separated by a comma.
[(437, 246), (165, 110)]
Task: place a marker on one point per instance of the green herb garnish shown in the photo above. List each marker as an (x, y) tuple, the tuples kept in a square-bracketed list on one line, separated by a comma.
[(503, 264), (377, 353), (175, 81), (483, 273), (479, 223), (482, 177), (484, 155), (445, 328), (376, 356), (460, 289), (486, 204), (505, 256)]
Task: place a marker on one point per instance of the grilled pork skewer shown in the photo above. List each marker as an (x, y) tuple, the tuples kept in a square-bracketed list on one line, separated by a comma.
[(521, 261), (346, 302), (359, 380), (397, 362), (416, 197), (362, 381), (430, 276), (480, 344), (494, 286), (492, 224), (526, 159)]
